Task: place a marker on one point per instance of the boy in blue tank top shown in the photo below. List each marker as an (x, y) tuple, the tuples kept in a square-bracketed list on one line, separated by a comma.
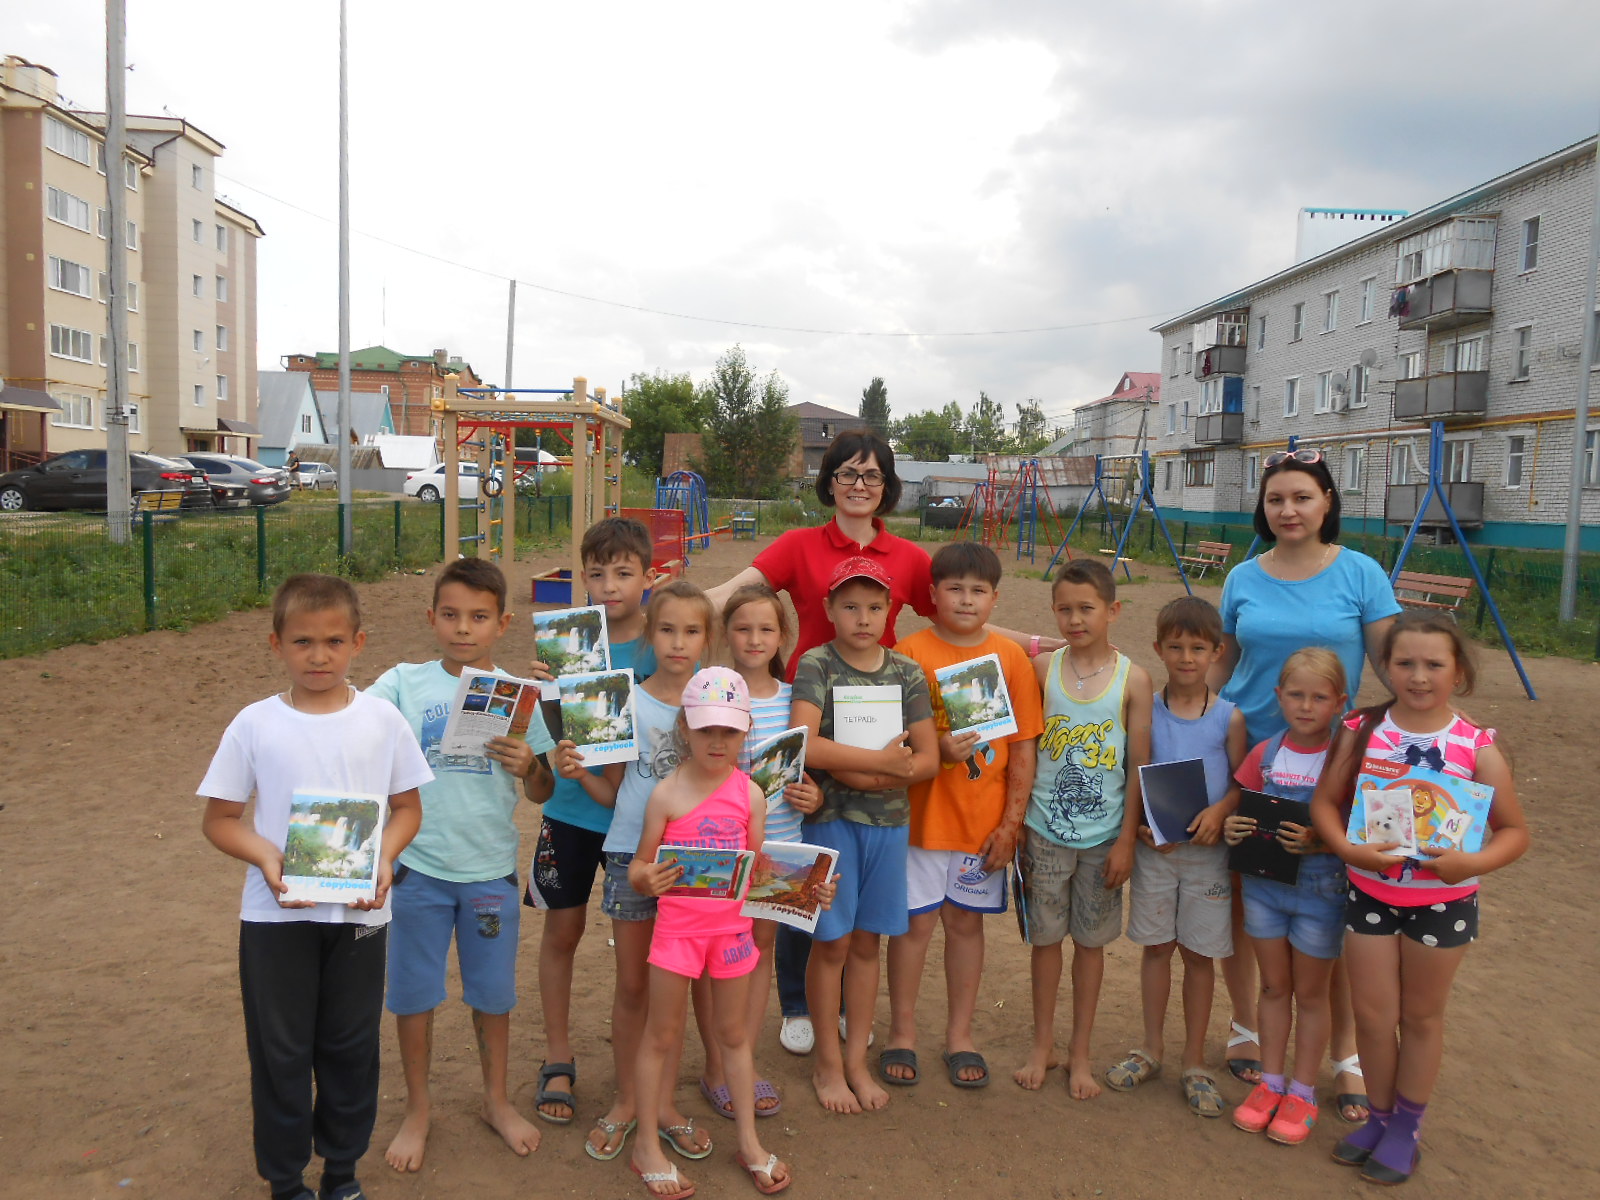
[(1082, 818), (1180, 898)]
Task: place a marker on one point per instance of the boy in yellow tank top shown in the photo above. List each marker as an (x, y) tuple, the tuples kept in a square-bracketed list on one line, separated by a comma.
[(1083, 814)]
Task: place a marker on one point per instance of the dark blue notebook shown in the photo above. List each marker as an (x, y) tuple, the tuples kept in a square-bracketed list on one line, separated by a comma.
[(1174, 794), (1261, 854)]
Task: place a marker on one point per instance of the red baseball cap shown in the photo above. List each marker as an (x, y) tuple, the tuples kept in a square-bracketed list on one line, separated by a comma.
[(859, 567)]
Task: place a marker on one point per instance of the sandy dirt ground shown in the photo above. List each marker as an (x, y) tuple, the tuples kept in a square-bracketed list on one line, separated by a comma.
[(122, 1063)]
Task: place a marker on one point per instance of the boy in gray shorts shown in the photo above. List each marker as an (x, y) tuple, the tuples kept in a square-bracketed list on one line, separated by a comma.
[(1083, 814)]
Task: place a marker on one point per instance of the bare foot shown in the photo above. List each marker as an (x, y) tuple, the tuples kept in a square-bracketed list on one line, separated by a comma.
[(505, 1120), (405, 1152), (649, 1162), (1081, 1083), (1031, 1074), (868, 1094), (833, 1093)]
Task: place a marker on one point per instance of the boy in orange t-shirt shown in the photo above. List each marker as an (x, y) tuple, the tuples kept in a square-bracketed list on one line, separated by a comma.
[(965, 821)]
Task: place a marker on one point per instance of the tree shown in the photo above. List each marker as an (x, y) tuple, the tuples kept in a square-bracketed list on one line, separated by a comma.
[(874, 410), (930, 436), (985, 428), (657, 405), (748, 434), (1032, 434)]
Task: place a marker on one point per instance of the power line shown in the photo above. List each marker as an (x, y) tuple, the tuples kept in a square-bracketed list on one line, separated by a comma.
[(661, 312)]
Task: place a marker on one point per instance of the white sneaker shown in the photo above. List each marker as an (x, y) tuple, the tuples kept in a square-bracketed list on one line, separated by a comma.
[(844, 1032), (796, 1035)]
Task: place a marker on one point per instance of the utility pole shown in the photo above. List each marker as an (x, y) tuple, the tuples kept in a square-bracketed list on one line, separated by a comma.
[(1580, 417), (511, 335), (119, 481), (346, 523)]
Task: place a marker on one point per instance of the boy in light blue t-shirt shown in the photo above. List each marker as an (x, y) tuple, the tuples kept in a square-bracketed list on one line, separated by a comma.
[(459, 875)]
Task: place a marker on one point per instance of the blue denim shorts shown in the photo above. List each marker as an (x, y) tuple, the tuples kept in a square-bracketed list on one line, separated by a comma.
[(484, 919), (1310, 914), (618, 900)]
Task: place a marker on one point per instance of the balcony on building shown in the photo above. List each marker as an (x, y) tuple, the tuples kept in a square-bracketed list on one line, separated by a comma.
[(1466, 501), (1224, 425), (1445, 275), (1219, 344), (1446, 396)]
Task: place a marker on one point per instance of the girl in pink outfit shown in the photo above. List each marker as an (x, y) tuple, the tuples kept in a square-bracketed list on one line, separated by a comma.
[(1408, 922), (706, 802)]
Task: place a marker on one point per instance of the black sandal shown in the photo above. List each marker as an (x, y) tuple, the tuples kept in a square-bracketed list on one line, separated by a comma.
[(549, 1095), (898, 1056)]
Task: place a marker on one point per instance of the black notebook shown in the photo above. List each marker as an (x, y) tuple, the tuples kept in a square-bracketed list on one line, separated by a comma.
[(1261, 854), (1174, 795)]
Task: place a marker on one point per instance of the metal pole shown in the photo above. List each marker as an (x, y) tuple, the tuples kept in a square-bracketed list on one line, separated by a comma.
[(1580, 418), (345, 514), (119, 482), (511, 340)]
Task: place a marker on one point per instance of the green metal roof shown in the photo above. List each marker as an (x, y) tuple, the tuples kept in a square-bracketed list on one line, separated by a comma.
[(378, 358)]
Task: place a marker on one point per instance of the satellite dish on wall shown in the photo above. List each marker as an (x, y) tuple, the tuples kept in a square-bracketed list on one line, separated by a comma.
[(1340, 381), (1369, 358)]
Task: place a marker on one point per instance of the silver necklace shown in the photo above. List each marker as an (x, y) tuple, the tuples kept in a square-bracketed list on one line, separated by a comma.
[(1083, 679)]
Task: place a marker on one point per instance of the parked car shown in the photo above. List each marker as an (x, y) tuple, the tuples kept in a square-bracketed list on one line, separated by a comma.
[(428, 486), (77, 480), (318, 475), (263, 485)]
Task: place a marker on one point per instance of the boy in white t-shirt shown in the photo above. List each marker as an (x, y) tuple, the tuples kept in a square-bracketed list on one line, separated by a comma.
[(459, 877), (312, 974)]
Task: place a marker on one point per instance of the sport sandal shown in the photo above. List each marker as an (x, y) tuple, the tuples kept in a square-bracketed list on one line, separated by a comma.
[(1139, 1067)]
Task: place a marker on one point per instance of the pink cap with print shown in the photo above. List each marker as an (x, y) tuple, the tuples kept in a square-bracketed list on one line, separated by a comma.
[(716, 696)]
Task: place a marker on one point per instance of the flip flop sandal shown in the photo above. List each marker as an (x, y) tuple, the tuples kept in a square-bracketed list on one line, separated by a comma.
[(1200, 1090), (765, 1091), (959, 1061), (549, 1095), (610, 1129), (675, 1136), (898, 1056), (670, 1175), (1139, 1067), (774, 1186), (719, 1098), (1242, 1068), (1344, 1100)]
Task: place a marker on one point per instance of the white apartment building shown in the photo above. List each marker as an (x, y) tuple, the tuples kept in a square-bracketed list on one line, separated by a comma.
[(191, 282), (1468, 312)]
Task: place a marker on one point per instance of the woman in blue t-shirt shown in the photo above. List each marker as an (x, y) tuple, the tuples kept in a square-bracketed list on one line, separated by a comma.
[(1306, 590)]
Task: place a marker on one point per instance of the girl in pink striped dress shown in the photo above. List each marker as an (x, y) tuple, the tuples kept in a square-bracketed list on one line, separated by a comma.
[(1408, 922)]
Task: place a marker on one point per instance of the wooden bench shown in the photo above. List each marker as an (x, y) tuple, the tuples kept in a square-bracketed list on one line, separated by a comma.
[(164, 504), (1207, 555), (1443, 593)]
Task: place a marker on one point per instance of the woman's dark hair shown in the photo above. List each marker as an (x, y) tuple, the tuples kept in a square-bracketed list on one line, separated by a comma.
[(1318, 471), (866, 444)]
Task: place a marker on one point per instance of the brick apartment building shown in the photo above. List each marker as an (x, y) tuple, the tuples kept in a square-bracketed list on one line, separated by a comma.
[(411, 381), (1468, 312)]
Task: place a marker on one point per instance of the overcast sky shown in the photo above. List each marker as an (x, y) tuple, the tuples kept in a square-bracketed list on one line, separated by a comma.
[(847, 167)]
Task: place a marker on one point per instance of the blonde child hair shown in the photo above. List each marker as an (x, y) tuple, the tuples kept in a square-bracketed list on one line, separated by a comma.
[(1318, 661), (755, 593)]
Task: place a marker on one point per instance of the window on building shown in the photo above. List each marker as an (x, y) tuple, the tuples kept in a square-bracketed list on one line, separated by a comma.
[(222, 337), (1516, 450), (222, 238), (222, 289), (1355, 467), (199, 340), (305, 422), (222, 387), (135, 418), (197, 285), (197, 176), (197, 230), (1461, 243), (1591, 458), (130, 174), (76, 344), (1177, 360), (133, 236), (1522, 352), (102, 222), (1172, 419), (199, 395), (1186, 416), (1360, 384), (1324, 400), (1291, 396), (1458, 460), (66, 208), (1400, 456), (77, 410), (1411, 365), (1330, 311), (1297, 322), (1261, 332), (1166, 477), (133, 296), (1199, 468), (1530, 243), (1210, 396), (1465, 355), (1252, 472), (133, 356), (68, 276), (1369, 298), (64, 139), (100, 157), (1188, 358)]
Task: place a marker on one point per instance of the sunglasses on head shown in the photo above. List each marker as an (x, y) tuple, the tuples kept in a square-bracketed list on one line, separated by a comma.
[(1308, 457)]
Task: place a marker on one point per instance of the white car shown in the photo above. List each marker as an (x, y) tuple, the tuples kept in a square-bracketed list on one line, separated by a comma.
[(316, 475), (429, 485)]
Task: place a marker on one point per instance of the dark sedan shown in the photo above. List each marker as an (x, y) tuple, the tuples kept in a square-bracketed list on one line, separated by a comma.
[(265, 485), (77, 479)]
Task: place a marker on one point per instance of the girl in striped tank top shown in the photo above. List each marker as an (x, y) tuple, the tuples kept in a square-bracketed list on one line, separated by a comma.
[(1409, 922)]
